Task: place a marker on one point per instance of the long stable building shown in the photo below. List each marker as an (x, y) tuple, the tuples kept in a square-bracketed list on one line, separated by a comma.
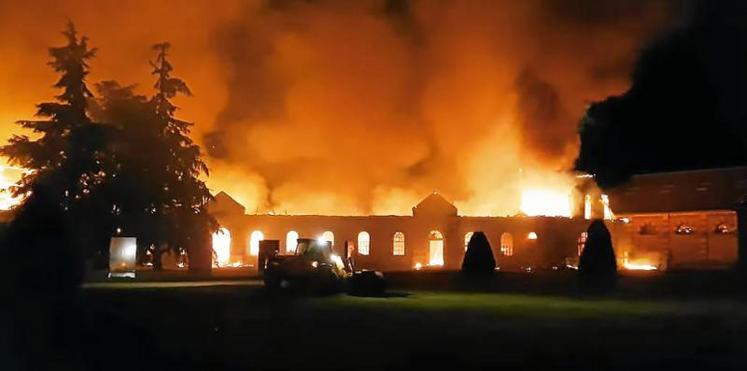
[(435, 235), (661, 220), (685, 217)]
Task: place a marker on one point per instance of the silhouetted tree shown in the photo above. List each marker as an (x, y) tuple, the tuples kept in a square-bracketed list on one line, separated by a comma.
[(68, 150), (157, 194), (134, 169), (45, 271), (188, 196), (479, 256), (597, 263), (61, 214), (136, 191)]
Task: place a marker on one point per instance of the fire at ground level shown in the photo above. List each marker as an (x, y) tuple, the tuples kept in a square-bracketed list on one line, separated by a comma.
[(666, 220)]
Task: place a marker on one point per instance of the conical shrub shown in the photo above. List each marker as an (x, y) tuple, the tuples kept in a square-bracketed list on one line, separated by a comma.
[(479, 256), (597, 261)]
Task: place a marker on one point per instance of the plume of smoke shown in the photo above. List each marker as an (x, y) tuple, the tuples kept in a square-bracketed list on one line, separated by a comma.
[(361, 107), (355, 107)]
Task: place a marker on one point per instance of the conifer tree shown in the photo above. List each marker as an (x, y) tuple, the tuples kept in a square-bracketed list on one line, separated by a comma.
[(68, 151), (134, 189), (186, 196), (61, 120), (158, 192)]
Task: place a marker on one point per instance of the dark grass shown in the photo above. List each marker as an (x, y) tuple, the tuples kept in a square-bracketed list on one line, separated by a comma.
[(634, 285), (432, 320)]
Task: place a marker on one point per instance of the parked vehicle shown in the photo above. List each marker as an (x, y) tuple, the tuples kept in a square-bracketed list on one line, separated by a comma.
[(315, 267)]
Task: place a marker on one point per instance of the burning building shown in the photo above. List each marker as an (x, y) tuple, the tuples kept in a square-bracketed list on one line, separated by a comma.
[(662, 220), (684, 218), (435, 235)]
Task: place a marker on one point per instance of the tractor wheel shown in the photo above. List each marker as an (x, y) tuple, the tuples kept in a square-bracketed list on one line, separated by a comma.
[(324, 282), (272, 281)]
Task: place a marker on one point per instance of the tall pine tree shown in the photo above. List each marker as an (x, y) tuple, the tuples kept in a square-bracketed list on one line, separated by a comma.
[(157, 191), (134, 190), (133, 169), (185, 196), (68, 153)]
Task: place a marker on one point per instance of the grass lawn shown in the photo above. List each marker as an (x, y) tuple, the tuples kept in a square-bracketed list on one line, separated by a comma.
[(248, 328), (436, 320)]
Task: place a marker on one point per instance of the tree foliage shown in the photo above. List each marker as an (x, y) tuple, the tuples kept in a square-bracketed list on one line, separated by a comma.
[(119, 162), (61, 120), (68, 150), (157, 194), (186, 205)]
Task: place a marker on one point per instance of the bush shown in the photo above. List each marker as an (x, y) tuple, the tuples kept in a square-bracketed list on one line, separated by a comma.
[(597, 262), (479, 256)]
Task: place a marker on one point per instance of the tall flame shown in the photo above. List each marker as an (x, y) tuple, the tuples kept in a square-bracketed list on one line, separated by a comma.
[(546, 202)]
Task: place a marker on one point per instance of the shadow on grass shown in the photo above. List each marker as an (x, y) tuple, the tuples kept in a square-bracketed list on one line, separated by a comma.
[(644, 285), (388, 294)]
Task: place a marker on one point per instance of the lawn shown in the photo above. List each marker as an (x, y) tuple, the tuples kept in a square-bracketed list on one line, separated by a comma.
[(245, 327), (249, 328)]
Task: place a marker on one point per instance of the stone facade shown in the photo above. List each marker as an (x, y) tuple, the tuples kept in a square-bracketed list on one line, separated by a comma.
[(686, 217), (666, 219), (684, 239), (556, 238)]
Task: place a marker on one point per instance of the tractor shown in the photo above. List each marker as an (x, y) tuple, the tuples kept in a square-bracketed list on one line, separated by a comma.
[(315, 267)]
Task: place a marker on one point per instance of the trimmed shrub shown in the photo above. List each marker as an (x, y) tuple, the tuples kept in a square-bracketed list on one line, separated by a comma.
[(597, 262), (479, 256)]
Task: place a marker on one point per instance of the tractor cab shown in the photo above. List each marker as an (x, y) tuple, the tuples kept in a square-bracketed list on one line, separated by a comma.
[(315, 267), (313, 264)]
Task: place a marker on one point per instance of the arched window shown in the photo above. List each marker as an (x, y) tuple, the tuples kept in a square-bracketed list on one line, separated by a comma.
[(329, 237), (507, 244), (608, 214), (581, 242), (398, 244), (291, 241), (221, 247), (435, 248), (254, 239), (587, 207), (467, 237), (364, 243)]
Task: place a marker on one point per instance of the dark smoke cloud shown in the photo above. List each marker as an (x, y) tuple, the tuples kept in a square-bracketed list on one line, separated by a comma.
[(686, 107)]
